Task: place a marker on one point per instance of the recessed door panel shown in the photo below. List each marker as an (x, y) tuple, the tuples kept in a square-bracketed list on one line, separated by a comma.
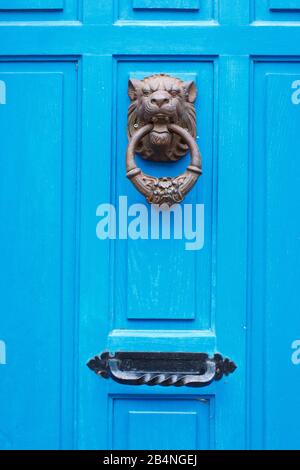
[(275, 292), (38, 206), (277, 10), (148, 271), (166, 4), (284, 5), (166, 10), (162, 422)]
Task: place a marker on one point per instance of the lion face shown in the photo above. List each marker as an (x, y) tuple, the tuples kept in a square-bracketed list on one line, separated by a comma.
[(161, 99)]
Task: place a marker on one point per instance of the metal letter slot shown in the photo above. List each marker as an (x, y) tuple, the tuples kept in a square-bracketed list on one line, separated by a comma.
[(159, 368), (162, 128)]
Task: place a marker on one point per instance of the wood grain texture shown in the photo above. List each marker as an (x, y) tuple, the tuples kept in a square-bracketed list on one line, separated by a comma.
[(66, 295), (37, 291), (135, 422), (166, 4), (166, 10), (275, 267), (31, 4), (284, 5), (276, 10), (149, 271)]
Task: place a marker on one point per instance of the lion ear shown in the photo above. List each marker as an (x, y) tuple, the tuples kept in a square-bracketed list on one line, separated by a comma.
[(190, 91), (133, 86)]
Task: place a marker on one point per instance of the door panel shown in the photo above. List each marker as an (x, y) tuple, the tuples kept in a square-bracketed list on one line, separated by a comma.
[(32, 5), (135, 423), (277, 10), (38, 210), (163, 334), (67, 295), (147, 270), (275, 238), (38, 10), (287, 5), (162, 10)]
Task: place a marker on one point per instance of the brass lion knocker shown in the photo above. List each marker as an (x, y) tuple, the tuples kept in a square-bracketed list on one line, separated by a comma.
[(162, 127)]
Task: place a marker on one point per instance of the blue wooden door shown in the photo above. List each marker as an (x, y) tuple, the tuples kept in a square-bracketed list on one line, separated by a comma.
[(68, 293)]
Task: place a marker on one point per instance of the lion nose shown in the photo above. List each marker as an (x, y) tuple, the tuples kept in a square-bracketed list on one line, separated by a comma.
[(160, 100)]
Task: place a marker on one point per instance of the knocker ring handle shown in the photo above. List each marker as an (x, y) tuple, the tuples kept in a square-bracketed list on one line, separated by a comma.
[(166, 189)]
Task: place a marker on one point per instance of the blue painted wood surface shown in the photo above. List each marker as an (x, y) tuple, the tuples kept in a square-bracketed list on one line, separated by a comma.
[(166, 4), (66, 295), (31, 4), (284, 5)]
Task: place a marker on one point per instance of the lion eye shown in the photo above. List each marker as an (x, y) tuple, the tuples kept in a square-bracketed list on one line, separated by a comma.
[(174, 92), (146, 92)]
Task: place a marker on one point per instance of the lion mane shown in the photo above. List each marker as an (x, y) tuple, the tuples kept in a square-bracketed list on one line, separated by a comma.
[(180, 96)]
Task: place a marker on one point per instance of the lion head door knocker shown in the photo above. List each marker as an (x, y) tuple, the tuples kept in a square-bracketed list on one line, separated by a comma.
[(162, 128)]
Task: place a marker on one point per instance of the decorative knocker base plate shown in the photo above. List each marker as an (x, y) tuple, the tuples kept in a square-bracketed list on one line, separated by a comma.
[(155, 368), (162, 127)]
